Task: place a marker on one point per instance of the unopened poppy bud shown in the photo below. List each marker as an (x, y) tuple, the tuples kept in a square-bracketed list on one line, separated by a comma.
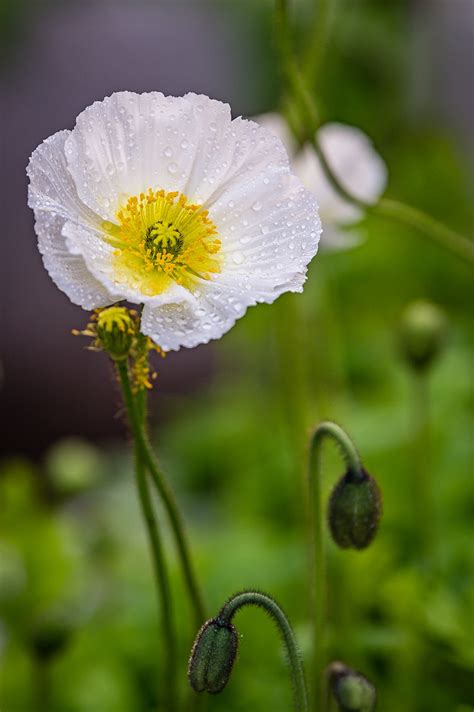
[(422, 334), (355, 507), (352, 691), (212, 656), (50, 634), (116, 329)]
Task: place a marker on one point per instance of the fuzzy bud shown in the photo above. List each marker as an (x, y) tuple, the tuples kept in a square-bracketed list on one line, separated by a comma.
[(352, 691), (212, 657), (355, 507), (422, 334), (116, 329)]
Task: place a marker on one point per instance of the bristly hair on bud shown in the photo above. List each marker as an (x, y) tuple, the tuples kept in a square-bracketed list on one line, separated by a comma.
[(422, 334), (352, 691), (355, 507), (212, 656), (116, 330), (215, 647)]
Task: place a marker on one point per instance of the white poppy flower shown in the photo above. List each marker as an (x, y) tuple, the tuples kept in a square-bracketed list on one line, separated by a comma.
[(168, 202), (356, 164)]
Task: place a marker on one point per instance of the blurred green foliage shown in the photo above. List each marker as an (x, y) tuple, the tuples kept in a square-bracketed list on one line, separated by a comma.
[(72, 546)]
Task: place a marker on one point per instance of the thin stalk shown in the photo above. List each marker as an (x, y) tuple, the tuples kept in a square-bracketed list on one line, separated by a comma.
[(452, 241), (318, 37), (422, 465), (254, 598), (165, 492), (160, 568), (41, 684), (317, 549), (162, 583)]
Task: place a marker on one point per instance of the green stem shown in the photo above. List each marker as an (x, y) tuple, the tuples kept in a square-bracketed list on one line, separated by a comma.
[(254, 598), (454, 242), (314, 55), (162, 582), (422, 465), (41, 684), (316, 546), (166, 494), (457, 244)]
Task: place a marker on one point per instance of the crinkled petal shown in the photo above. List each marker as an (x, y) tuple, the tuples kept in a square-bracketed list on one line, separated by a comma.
[(67, 270), (53, 196), (129, 142), (52, 187)]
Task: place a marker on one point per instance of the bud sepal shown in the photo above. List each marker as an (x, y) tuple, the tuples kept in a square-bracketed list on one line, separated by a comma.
[(354, 511), (212, 656)]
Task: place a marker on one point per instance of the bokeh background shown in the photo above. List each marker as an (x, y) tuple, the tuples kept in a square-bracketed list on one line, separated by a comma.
[(226, 416)]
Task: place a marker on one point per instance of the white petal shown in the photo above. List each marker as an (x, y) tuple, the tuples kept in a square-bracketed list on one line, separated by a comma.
[(52, 187), (68, 271), (357, 165), (130, 142), (189, 324), (336, 239), (269, 227), (278, 126), (53, 196)]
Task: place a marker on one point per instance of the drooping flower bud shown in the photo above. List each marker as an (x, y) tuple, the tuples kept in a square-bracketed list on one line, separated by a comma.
[(212, 656), (422, 334), (354, 513), (352, 691), (116, 329)]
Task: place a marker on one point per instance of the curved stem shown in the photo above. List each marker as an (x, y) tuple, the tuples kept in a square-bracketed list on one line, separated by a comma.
[(316, 546), (254, 598), (457, 244), (347, 447), (164, 491)]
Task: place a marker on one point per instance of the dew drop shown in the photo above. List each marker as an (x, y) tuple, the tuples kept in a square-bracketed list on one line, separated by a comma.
[(257, 206), (168, 152), (172, 168), (238, 258)]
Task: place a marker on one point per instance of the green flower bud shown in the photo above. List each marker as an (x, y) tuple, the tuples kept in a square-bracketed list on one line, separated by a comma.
[(50, 634), (355, 508), (352, 691), (116, 329), (422, 334), (212, 656)]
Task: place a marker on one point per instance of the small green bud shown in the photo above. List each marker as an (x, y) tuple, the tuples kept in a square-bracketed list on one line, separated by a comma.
[(50, 634), (422, 334), (352, 691), (355, 507), (116, 329), (212, 656)]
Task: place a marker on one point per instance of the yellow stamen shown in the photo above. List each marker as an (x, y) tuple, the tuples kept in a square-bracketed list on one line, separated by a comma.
[(161, 238)]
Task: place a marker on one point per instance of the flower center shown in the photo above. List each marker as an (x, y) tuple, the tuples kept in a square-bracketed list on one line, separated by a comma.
[(160, 238)]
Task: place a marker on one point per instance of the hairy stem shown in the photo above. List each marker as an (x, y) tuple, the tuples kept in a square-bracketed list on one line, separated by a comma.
[(165, 492), (316, 546), (254, 598)]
